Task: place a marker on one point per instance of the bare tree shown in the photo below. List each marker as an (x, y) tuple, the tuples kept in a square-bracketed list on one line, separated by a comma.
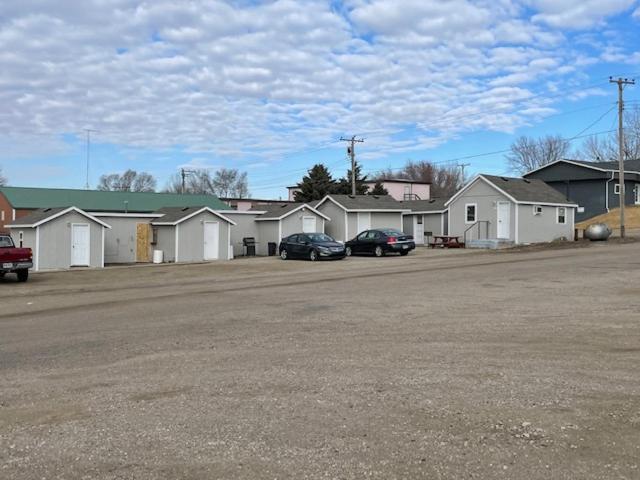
[(129, 181), (223, 183), (3, 179), (528, 153), (606, 149), (445, 180)]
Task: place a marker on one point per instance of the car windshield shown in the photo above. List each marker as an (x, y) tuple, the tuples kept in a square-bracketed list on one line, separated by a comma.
[(6, 242), (392, 232), (320, 237)]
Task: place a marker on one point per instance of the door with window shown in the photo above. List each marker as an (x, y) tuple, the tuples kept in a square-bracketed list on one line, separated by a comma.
[(504, 220), (211, 240), (80, 251)]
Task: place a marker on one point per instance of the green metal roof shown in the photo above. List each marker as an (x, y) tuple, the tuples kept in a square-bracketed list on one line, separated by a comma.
[(97, 201)]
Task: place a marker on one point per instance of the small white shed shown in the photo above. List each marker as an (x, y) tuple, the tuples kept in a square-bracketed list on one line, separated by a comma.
[(61, 238)]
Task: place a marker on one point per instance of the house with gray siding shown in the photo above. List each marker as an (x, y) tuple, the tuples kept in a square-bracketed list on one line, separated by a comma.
[(61, 238), (514, 210), (192, 234), (594, 186), (281, 220), (352, 214), (425, 219)]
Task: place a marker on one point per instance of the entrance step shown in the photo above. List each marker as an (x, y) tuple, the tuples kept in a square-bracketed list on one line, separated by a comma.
[(490, 243)]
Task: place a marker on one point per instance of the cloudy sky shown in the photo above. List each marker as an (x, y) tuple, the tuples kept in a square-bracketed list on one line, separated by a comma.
[(270, 87)]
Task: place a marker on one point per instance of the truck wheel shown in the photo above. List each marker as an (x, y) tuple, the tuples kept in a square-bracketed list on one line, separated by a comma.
[(23, 275)]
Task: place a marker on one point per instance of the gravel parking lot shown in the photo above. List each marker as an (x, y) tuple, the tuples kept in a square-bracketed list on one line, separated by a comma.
[(442, 364)]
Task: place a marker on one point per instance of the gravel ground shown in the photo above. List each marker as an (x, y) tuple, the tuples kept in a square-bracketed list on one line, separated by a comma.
[(442, 364)]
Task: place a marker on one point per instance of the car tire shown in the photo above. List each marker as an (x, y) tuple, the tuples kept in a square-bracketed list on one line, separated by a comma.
[(313, 255), (347, 251), (23, 275), (404, 253), (284, 255), (378, 252)]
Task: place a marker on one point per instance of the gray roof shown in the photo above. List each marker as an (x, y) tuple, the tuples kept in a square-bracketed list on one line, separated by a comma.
[(176, 214), (275, 211), (369, 202), (43, 214), (629, 165), (528, 190), (433, 205)]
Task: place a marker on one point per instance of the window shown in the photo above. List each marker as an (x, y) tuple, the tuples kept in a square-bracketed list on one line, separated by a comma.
[(470, 212), (2, 216), (5, 241), (616, 189), (154, 236), (20, 238), (562, 215), (537, 209), (363, 235), (419, 220)]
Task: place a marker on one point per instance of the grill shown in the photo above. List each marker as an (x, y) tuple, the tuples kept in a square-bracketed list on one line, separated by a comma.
[(249, 244)]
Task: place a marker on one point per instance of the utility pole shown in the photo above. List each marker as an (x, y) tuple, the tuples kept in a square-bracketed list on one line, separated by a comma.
[(351, 151), (462, 167), (184, 173), (88, 130), (621, 84)]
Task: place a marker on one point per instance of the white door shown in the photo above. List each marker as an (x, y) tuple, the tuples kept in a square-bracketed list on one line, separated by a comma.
[(211, 240), (364, 221), (80, 250), (309, 224), (419, 229), (504, 220)]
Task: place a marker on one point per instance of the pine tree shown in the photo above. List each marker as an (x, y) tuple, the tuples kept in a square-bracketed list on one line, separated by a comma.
[(344, 184), (378, 189), (315, 185)]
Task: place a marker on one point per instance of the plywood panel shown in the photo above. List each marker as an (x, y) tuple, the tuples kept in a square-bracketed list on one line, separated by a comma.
[(143, 242)]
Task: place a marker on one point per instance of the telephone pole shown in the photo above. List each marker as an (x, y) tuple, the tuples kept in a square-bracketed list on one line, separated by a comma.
[(462, 166), (184, 173), (88, 130), (621, 84), (351, 151)]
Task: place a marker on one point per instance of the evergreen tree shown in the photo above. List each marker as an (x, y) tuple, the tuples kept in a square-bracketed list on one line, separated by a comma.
[(344, 184), (315, 185), (378, 189)]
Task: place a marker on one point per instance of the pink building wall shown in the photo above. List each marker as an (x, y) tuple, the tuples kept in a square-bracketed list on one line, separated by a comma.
[(398, 190)]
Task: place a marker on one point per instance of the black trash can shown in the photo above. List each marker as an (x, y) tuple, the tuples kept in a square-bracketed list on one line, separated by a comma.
[(250, 246), (272, 248)]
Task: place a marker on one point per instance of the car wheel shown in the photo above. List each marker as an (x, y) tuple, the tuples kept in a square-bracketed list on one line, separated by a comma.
[(347, 251), (23, 275), (378, 252), (404, 253), (284, 255), (313, 255)]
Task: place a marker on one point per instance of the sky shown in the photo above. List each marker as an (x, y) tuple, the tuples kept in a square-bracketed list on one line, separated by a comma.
[(271, 87)]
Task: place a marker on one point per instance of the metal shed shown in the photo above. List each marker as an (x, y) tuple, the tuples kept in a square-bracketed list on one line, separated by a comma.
[(192, 234), (61, 238)]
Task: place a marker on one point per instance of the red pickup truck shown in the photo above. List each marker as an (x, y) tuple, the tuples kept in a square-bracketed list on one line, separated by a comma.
[(14, 260)]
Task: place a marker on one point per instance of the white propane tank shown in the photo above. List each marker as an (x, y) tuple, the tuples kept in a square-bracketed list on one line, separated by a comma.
[(158, 256)]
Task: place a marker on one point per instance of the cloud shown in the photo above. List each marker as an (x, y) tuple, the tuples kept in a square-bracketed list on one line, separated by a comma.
[(250, 82), (577, 14)]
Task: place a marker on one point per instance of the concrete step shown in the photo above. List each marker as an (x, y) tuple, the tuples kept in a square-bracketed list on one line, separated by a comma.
[(490, 243)]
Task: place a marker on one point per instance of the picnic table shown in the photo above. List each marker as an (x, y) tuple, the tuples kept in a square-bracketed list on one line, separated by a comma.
[(446, 241)]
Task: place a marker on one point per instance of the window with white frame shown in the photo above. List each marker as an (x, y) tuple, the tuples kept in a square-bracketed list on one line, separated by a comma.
[(470, 213), (562, 215), (2, 215), (537, 209), (616, 189), (20, 238)]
